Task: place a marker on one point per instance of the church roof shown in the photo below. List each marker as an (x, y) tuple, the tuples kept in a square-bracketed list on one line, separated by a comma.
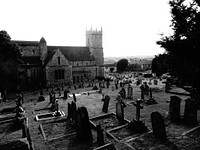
[(26, 43), (71, 53)]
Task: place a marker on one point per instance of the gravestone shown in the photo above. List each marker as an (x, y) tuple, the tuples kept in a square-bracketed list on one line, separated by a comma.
[(83, 128), (73, 113), (106, 104), (151, 100), (41, 98), (138, 106), (75, 87), (155, 82), (123, 93), (116, 86), (103, 97), (74, 97), (100, 89), (57, 112), (100, 136), (50, 97), (190, 113), (65, 94), (59, 92), (113, 88), (62, 85), (158, 125), (120, 111), (136, 125), (69, 114), (130, 92), (174, 108), (167, 86), (142, 94)]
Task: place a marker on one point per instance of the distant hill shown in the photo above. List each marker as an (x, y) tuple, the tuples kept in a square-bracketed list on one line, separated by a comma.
[(131, 59)]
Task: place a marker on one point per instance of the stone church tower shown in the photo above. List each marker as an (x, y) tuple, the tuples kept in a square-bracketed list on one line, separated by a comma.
[(94, 42)]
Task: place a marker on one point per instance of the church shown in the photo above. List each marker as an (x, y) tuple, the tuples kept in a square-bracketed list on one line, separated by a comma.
[(56, 65)]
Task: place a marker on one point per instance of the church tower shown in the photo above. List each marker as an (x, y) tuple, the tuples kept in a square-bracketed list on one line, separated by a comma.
[(94, 42)]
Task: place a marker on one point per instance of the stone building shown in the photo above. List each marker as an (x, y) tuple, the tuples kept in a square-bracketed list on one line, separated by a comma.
[(47, 65)]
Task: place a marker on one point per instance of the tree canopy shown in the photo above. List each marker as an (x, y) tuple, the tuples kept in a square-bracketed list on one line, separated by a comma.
[(183, 46), (9, 58), (160, 64), (122, 64)]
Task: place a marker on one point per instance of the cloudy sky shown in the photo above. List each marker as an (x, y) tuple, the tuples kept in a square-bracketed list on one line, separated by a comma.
[(130, 27)]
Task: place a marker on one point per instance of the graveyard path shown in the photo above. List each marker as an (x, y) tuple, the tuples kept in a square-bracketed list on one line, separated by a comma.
[(94, 105)]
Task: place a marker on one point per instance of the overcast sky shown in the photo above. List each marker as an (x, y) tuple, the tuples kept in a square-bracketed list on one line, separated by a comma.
[(130, 27)]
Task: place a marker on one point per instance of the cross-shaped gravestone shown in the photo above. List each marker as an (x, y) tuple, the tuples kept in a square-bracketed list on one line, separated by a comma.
[(138, 106)]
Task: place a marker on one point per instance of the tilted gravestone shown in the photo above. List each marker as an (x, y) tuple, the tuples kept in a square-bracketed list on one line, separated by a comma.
[(174, 108), (120, 111), (190, 113), (106, 104), (69, 114), (130, 92), (83, 129), (158, 125), (100, 136), (74, 97)]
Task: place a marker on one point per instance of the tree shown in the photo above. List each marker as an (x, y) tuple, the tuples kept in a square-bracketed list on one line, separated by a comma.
[(184, 45), (122, 64), (9, 60), (160, 64)]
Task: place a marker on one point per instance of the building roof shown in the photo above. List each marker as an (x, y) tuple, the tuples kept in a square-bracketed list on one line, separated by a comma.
[(26, 43), (71, 53)]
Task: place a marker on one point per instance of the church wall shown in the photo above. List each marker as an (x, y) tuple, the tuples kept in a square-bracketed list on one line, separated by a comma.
[(50, 74), (58, 62)]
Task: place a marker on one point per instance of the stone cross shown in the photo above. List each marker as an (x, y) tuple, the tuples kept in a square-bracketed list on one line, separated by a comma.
[(138, 107)]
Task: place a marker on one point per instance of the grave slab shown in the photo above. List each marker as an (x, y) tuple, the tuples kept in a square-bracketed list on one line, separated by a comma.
[(46, 116), (107, 121)]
